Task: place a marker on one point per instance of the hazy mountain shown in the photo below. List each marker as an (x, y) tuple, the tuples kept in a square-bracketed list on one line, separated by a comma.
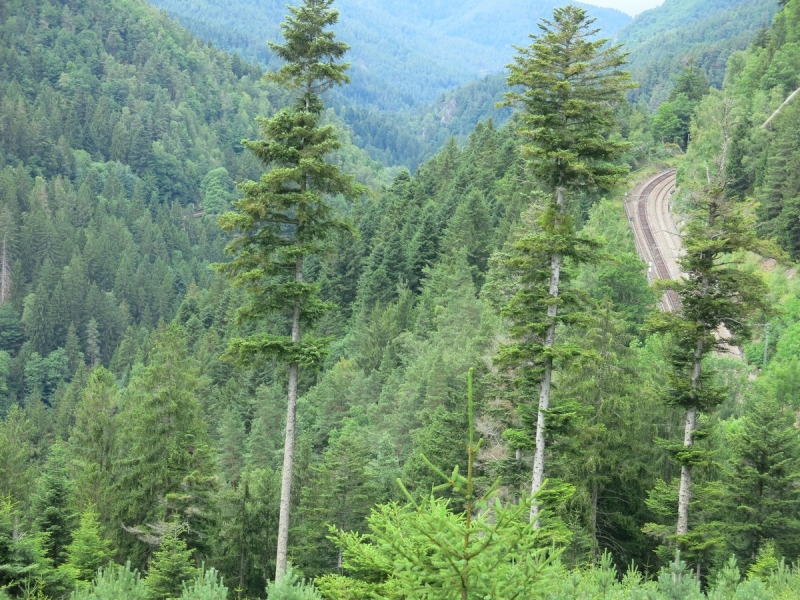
[(403, 53)]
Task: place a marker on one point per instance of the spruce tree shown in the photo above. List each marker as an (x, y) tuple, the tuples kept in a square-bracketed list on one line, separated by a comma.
[(761, 483), (570, 84), (92, 442), (163, 466), (51, 506), (285, 217), (170, 566), (88, 551)]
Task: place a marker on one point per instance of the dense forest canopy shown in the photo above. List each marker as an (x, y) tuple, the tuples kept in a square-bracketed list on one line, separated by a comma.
[(662, 40), (422, 71), (142, 441)]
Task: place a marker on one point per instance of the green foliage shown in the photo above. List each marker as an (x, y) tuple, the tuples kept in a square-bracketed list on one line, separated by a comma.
[(409, 57), (284, 217), (88, 551), (163, 468), (292, 587), (170, 566), (114, 582), (762, 517), (244, 548), (434, 549), (206, 586), (54, 518), (571, 85), (705, 32)]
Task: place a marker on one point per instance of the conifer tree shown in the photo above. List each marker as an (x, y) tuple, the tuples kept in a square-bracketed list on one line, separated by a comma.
[(761, 486), (11, 331), (51, 507), (340, 493), (92, 442), (571, 84), (284, 218), (714, 293), (170, 566), (163, 467), (88, 551)]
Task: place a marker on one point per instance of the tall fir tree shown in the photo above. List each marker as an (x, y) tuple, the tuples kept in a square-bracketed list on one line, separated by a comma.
[(570, 84), (88, 551), (285, 217), (170, 566), (718, 300), (51, 505)]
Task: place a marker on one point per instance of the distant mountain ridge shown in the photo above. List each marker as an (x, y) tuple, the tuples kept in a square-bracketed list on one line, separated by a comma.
[(404, 54)]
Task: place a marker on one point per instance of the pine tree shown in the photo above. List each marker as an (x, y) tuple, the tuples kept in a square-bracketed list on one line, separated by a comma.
[(285, 218), (114, 582), (571, 84)]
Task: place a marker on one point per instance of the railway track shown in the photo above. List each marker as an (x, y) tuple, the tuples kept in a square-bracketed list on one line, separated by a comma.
[(658, 241), (648, 215)]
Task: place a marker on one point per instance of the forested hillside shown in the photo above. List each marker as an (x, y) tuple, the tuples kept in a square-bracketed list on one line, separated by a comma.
[(403, 54), (149, 376), (706, 32), (119, 132), (422, 71)]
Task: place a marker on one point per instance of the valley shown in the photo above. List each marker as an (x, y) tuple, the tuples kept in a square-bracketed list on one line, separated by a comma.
[(353, 300)]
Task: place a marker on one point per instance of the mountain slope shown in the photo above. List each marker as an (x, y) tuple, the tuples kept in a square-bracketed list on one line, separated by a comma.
[(116, 127), (663, 39), (403, 53)]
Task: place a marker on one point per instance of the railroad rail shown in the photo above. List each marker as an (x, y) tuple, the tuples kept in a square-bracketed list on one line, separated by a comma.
[(636, 208), (648, 212)]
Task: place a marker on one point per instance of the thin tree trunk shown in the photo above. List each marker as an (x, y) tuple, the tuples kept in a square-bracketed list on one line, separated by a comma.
[(685, 490), (780, 108), (288, 446), (595, 493), (547, 376), (5, 274)]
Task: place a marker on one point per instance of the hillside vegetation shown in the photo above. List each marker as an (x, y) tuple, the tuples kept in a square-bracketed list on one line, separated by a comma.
[(664, 39), (143, 393)]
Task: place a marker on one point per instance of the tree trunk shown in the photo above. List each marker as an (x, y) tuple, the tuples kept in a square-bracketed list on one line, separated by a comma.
[(547, 376), (5, 274), (288, 446), (595, 494), (685, 490)]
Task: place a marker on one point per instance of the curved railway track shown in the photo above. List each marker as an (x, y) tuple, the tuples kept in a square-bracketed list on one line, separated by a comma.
[(656, 235), (658, 240)]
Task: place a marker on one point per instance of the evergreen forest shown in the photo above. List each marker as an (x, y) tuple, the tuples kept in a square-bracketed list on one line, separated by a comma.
[(324, 302)]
